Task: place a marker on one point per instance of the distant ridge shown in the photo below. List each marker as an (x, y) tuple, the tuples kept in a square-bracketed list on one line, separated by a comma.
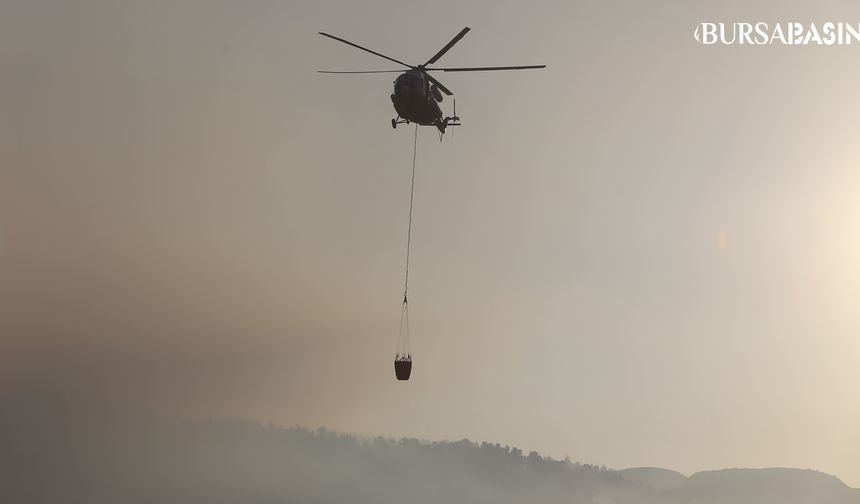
[(65, 449), (656, 477), (776, 485)]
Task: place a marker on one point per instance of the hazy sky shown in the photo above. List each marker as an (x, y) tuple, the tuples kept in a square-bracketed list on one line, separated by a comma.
[(646, 254)]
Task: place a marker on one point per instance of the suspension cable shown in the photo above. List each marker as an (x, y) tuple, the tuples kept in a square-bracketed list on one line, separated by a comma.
[(403, 345), (411, 199)]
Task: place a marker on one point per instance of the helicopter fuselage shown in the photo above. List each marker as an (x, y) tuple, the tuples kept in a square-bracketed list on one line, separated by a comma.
[(414, 101)]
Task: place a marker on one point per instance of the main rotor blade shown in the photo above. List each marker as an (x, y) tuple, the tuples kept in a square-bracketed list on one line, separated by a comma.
[(484, 69), (347, 42), (359, 71), (448, 46), (438, 84)]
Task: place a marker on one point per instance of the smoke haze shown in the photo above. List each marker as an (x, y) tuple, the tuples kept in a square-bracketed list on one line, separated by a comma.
[(643, 255)]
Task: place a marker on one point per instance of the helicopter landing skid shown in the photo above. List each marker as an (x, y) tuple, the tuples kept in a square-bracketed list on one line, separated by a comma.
[(449, 121), (398, 120)]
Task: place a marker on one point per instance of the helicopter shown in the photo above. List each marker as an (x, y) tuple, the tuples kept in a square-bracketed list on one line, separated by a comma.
[(417, 94)]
